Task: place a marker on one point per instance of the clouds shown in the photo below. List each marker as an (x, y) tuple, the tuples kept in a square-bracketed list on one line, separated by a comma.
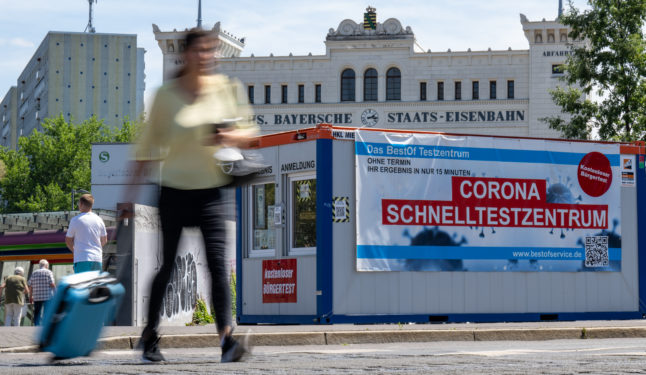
[(17, 42)]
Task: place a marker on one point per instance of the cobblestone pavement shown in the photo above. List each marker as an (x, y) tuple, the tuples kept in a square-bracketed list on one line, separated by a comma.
[(604, 356)]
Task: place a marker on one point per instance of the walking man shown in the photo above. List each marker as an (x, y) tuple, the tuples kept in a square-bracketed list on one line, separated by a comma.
[(42, 287), (16, 289), (86, 237)]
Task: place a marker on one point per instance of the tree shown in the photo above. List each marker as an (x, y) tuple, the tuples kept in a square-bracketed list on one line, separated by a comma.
[(40, 175), (609, 60)]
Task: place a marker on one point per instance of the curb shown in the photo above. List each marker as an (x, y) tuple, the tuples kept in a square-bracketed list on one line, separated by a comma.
[(385, 337), (368, 337)]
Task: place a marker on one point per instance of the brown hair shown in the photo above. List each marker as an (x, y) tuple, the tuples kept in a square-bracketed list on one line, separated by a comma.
[(190, 38), (87, 200)]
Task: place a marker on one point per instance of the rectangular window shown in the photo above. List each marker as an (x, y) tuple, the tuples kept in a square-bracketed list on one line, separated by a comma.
[(250, 94), (263, 198), (440, 90), (317, 93), (475, 88), (283, 94), (558, 69), (510, 89), (492, 89), (267, 94), (301, 93), (458, 90), (303, 218), (422, 91)]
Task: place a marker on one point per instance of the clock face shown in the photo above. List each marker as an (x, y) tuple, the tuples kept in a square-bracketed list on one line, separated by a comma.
[(370, 117)]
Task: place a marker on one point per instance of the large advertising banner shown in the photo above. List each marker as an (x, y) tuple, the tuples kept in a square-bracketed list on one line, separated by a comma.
[(435, 202)]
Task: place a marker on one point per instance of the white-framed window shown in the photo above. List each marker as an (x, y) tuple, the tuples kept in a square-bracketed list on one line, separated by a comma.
[(302, 218), (262, 241)]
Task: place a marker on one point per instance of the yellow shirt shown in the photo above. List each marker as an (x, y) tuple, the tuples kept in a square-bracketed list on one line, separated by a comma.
[(177, 130)]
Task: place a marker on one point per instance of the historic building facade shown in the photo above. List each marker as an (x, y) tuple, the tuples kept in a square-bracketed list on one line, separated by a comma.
[(78, 75), (171, 44), (374, 74)]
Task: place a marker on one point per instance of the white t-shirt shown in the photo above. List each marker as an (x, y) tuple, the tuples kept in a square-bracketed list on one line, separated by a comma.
[(87, 228)]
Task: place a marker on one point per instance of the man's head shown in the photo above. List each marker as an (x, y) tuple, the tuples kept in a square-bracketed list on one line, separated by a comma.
[(43, 263), (86, 202), (19, 271)]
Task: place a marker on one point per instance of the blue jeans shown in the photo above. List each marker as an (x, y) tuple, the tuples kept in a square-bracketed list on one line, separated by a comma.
[(86, 266)]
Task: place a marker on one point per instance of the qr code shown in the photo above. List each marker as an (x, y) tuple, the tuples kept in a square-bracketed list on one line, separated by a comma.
[(339, 212), (596, 251)]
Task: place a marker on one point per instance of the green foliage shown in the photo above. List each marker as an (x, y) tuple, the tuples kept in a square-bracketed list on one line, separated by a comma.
[(610, 62), (201, 314), (41, 174), (232, 286)]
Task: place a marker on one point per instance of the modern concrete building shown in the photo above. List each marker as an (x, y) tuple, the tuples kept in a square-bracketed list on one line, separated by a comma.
[(8, 118), (376, 74), (79, 75)]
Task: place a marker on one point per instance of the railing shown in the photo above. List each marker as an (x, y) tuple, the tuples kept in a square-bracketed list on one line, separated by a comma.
[(27, 222)]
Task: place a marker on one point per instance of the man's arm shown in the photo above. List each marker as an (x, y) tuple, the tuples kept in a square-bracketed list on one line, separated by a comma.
[(69, 241), (52, 283), (104, 240)]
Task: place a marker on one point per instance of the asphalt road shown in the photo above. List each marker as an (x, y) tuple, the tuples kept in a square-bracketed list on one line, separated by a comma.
[(607, 356)]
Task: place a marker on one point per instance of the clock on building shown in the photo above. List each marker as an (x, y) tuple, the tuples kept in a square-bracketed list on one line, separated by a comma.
[(370, 117)]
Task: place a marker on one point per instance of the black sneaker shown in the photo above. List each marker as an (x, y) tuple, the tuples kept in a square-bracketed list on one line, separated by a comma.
[(150, 345), (233, 350)]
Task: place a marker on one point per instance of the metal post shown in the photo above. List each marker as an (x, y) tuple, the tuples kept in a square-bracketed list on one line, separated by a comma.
[(74, 191)]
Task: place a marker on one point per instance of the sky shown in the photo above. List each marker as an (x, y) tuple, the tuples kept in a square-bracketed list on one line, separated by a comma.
[(280, 27)]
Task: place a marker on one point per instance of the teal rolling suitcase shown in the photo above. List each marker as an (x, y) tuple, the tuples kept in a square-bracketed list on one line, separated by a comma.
[(75, 316)]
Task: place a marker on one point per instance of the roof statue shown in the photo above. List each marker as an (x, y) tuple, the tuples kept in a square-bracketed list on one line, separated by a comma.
[(370, 29)]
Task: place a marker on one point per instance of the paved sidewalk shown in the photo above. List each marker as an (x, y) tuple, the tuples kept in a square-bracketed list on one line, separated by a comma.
[(23, 339)]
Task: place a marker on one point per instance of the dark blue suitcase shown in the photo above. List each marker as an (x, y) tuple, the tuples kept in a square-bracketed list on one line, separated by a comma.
[(75, 316)]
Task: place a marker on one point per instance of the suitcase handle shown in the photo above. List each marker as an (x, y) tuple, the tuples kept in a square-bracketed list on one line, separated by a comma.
[(99, 294)]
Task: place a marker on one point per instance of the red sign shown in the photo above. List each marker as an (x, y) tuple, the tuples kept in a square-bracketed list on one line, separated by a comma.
[(279, 281), (496, 202), (595, 175)]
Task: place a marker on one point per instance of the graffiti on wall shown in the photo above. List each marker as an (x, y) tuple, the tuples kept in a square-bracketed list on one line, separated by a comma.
[(181, 291)]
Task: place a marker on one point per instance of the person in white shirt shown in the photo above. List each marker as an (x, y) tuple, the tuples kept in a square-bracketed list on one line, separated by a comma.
[(86, 237)]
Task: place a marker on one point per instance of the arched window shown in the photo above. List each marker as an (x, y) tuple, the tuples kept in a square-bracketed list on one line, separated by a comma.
[(347, 85), (370, 85), (393, 84)]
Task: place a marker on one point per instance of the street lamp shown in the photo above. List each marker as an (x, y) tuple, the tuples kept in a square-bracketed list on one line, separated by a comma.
[(74, 191)]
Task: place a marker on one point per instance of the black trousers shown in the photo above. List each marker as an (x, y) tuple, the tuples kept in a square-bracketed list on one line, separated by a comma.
[(38, 311), (206, 209)]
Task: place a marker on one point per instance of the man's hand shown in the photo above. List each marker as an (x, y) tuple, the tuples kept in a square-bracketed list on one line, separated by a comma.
[(234, 137), (125, 213)]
